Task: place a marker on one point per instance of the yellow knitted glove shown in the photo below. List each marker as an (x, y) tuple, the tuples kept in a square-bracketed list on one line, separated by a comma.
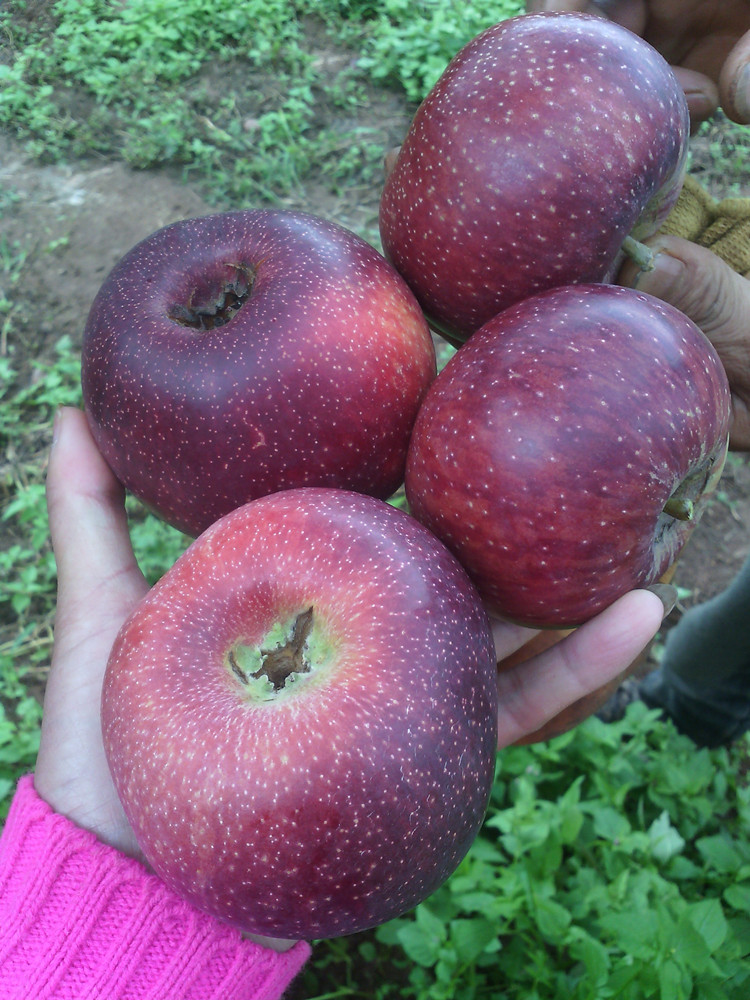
[(722, 226)]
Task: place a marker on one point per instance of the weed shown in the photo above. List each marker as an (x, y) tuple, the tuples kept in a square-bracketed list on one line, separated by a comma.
[(613, 862), (410, 43), (185, 83)]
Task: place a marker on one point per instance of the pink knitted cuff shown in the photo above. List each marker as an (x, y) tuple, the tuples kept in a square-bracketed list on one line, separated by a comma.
[(80, 921)]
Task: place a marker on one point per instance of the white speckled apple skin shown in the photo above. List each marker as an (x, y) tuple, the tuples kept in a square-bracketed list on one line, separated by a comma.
[(547, 448), (349, 795), (314, 381), (546, 141)]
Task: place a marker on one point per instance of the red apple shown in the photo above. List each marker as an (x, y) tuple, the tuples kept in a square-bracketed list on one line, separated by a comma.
[(301, 716), (568, 449), (234, 355), (548, 139)]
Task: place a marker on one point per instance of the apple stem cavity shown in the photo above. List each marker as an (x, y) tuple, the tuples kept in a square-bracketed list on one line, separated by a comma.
[(286, 659), (220, 306), (639, 253)]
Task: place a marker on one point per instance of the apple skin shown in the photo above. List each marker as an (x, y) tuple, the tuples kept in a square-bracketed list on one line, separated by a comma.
[(548, 139), (349, 794), (314, 380), (546, 450)]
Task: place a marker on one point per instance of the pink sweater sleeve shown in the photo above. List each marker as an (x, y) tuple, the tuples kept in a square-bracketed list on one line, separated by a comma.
[(80, 921)]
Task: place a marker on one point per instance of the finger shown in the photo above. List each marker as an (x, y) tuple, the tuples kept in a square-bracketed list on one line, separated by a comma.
[(534, 692), (701, 93), (88, 525), (717, 299), (510, 638), (734, 82), (98, 584)]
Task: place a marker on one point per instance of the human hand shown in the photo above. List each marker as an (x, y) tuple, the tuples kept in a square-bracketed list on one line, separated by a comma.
[(706, 41), (550, 681), (99, 584), (717, 299)]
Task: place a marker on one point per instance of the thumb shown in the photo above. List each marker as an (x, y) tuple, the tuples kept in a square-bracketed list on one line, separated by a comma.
[(717, 299), (96, 567), (98, 586), (734, 82)]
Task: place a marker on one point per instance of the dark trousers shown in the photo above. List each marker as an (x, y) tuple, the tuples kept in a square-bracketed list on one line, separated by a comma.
[(703, 683)]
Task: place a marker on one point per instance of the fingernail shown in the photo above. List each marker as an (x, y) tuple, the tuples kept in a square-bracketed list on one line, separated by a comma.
[(57, 424), (664, 279), (701, 105), (742, 94), (666, 593)]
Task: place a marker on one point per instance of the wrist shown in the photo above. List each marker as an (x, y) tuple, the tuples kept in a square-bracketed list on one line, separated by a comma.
[(76, 915)]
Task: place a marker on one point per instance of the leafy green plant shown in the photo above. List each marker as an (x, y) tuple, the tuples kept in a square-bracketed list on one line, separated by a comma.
[(187, 82), (724, 156), (133, 69), (20, 718), (171, 81), (411, 43), (613, 862)]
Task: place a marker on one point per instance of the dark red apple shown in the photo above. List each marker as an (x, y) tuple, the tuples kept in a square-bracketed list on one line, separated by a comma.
[(234, 355), (301, 716), (548, 139), (568, 449)]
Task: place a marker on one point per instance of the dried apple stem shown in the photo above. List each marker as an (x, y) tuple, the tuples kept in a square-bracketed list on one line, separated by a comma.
[(680, 508), (639, 253)]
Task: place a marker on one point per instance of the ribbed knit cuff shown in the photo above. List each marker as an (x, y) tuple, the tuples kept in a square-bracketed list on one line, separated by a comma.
[(80, 921), (721, 226)]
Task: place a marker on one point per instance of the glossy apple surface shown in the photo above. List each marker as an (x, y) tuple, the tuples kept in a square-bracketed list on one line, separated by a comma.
[(230, 356), (568, 449), (301, 717), (548, 139)]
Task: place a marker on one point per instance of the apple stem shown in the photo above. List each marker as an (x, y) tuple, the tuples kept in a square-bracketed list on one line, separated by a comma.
[(280, 663), (680, 508), (443, 331), (639, 253)]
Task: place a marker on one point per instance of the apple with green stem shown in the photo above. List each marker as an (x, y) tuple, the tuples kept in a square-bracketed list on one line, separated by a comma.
[(549, 141), (300, 718), (569, 448), (230, 356)]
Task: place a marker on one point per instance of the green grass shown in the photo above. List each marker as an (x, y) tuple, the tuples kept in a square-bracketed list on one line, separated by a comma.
[(236, 94)]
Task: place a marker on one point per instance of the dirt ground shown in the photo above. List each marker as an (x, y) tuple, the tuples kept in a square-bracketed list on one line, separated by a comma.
[(76, 221)]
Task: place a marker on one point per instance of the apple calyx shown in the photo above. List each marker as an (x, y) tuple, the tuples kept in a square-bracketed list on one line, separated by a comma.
[(219, 306)]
